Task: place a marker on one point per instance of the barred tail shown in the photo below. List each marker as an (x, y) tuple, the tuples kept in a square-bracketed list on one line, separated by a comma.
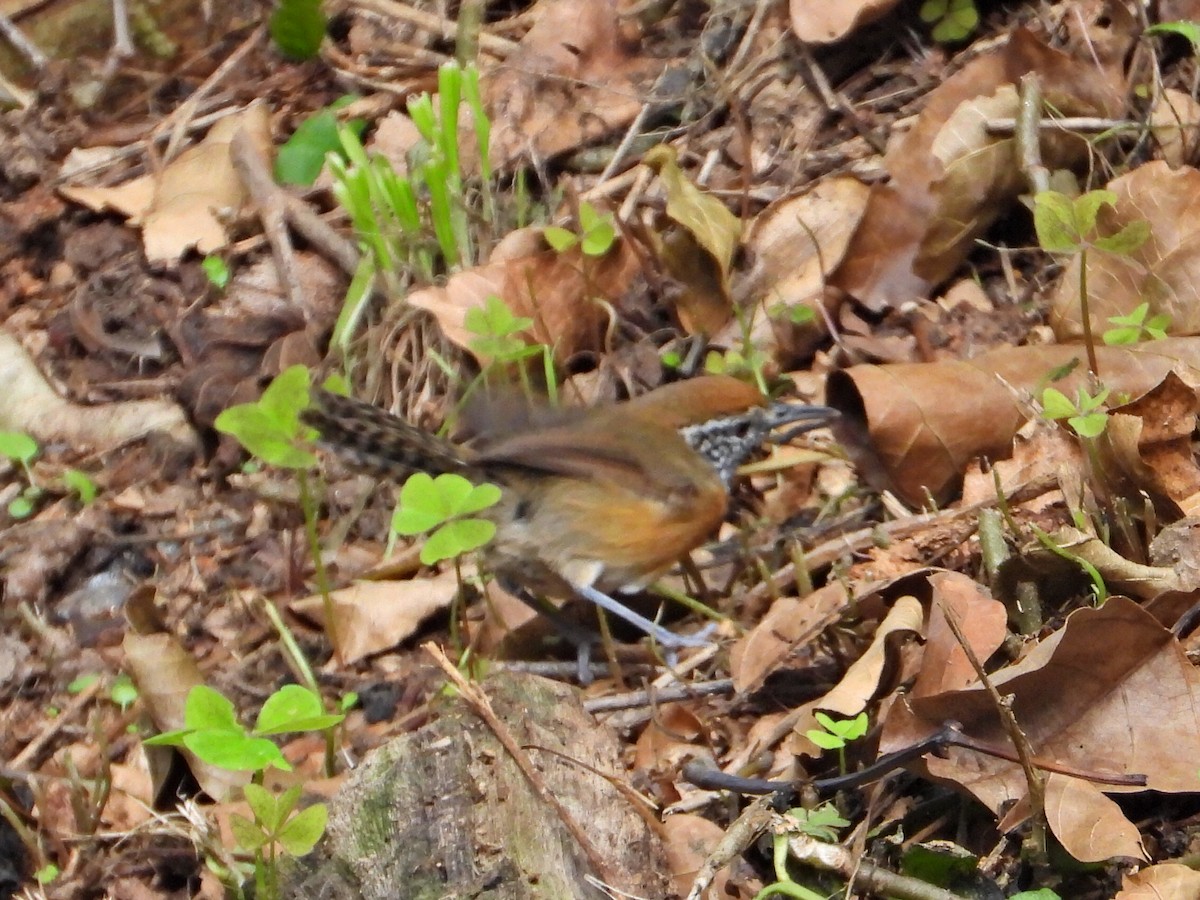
[(370, 438)]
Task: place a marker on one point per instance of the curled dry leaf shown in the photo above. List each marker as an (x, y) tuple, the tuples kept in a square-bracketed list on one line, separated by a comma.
[(373, 616), (165, 673), (914, 427), (1119, 573), (29, 404), (1163, 272), (564, 293), (1159, 882), (689, 840), (863, 679), (951, 178), (1111, 692), (186, 204), (823, 23), (574, 80), (793, 245), (1175, 124), (700, 253), (1147, 447), (1089, 826), (982, 620), (789, 624)]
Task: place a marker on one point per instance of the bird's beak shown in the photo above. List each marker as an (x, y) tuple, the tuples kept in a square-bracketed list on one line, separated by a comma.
[(800, 417)]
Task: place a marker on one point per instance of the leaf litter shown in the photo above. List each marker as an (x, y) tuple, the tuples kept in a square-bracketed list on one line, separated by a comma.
[(762, 235)]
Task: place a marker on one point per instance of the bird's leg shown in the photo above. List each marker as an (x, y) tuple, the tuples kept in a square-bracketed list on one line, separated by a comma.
[(583, 639), (665, 638), (578, 636)]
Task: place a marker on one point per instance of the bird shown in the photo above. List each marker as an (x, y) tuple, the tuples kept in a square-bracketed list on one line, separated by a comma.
[(594, 502)]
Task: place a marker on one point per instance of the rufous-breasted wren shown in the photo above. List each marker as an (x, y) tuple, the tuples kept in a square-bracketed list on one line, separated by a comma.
[(593, 502)]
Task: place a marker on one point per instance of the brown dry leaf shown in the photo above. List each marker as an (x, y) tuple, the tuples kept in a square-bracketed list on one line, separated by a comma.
[(1164, 271), (1041, 450), (794, 244), (1148, 446), (1175, 124), (823, 23), (709, 237), (689, 840), (789, 625), (923, 423), (574, 80), (29, 404), (951, 179), (1090, 826), (559, 291), (187, 204), (1162, 882), (165, 673), (373, 616), (1178, 546), (131, 797), (669, 740), (983, 621), (1111, 692), (862, 680)]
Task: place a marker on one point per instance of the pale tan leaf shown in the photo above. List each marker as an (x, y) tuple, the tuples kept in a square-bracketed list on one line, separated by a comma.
[(1090, 827), (373, 616), (1166, 881)]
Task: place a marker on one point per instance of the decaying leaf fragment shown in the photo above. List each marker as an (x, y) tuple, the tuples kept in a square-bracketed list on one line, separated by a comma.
[(920, 424), (1110, 692), (699, 253), (188, 203), (951, 178)]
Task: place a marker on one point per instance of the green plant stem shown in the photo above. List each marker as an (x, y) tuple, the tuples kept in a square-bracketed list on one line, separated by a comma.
[(300, 665), (1085, 311), (308, 507), (784, 884)]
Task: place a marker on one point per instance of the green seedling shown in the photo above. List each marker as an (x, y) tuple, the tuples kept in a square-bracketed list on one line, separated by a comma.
[(734, 362), (499, 339), (1085, 415), (796, 315), (822, 824), (1188, 30), (1039, 894), (82, 683), (298, 28), (952, 20), (123, 692), (212, 731), (444, 507), (21, 449), (1139, 325), (302, 156), (1070, 226), (47, 874), (216, 270), (497, 330), (277, 827), (270, 428), (79, 484), (837, 734), (214, 734), (596, 235)]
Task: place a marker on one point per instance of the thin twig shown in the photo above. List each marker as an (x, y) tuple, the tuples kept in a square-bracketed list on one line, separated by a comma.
[(177, 122)]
